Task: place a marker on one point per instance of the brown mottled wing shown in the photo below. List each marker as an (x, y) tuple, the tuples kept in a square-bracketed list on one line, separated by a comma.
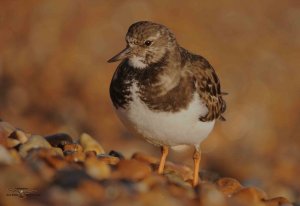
[(208, 87)]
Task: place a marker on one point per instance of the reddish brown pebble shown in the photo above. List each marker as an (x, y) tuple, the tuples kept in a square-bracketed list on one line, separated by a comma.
[(92, 189), (249, 195), (145, 158), (277, 201), (75, 157), (154, 180), (228, 186), (73, 147), (10, 143), (90, 144), (133, 169), (91, 154), (108, 159), (56, 162)]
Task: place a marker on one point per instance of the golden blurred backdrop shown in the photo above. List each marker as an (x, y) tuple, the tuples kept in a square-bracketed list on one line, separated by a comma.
[(54, 77)]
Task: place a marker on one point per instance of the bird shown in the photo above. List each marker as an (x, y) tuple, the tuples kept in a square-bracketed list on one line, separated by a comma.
[(164, 93)]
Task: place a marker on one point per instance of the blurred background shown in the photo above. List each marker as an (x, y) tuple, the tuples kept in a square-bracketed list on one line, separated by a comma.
[(54, 77)]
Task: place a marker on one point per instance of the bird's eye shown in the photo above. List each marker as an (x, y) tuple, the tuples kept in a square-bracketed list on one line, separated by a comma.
[(148, 43)]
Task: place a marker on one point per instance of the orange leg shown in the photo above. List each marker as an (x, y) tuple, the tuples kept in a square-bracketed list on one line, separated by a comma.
[(197, 159), (164, 154)]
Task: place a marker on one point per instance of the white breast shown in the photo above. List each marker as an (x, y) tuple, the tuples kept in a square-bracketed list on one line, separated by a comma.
[(166, 128)]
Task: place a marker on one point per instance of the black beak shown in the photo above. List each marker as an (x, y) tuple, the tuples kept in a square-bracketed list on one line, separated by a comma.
[(122, 55)]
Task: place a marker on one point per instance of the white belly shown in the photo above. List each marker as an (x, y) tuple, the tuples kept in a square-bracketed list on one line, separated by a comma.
[(167, 128)]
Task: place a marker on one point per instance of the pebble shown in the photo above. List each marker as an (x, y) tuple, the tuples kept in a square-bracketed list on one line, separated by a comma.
[(19, 135), (5, 130), (185, 172), (56, 162), (5, 157), (15, 155), (97, 178), (157, 197), (91, 154), (228, 186), (35, 141), (132, 169), (175, 178), (75, 157), (145, 158), (97, 169), (277, 201), (209, 195), (59, 140), (250, 195), (108, 159), (70, 178), (90, 144), (10, 143), (153, 181), (58, 151), (116, 154), (73, 147), (93, 190)]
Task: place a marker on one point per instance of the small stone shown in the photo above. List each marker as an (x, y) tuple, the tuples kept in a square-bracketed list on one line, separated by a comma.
[(91, 154), (5, 157), (6, 128), (56, 162), (108, 159), (156, 197), (59, 140), (181, 192), (36, 153), (116, 154), (34, 141), (145, 158), (185, 172), (92, 189), (176, 178), (250, 195), (90, 144), (70, 178), (19, 135), (97, 169), (209, 195), (228, 186), (132, 169), (15, 155), (58, 151), (10, 143), (73, 147), (277, 201), (154, 180), (75, 157)]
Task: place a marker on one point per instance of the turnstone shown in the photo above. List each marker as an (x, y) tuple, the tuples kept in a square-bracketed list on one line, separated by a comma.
[(164, 93)]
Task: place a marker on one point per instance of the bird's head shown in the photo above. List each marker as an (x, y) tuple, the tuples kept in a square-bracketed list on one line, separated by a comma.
[(147, 43)]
